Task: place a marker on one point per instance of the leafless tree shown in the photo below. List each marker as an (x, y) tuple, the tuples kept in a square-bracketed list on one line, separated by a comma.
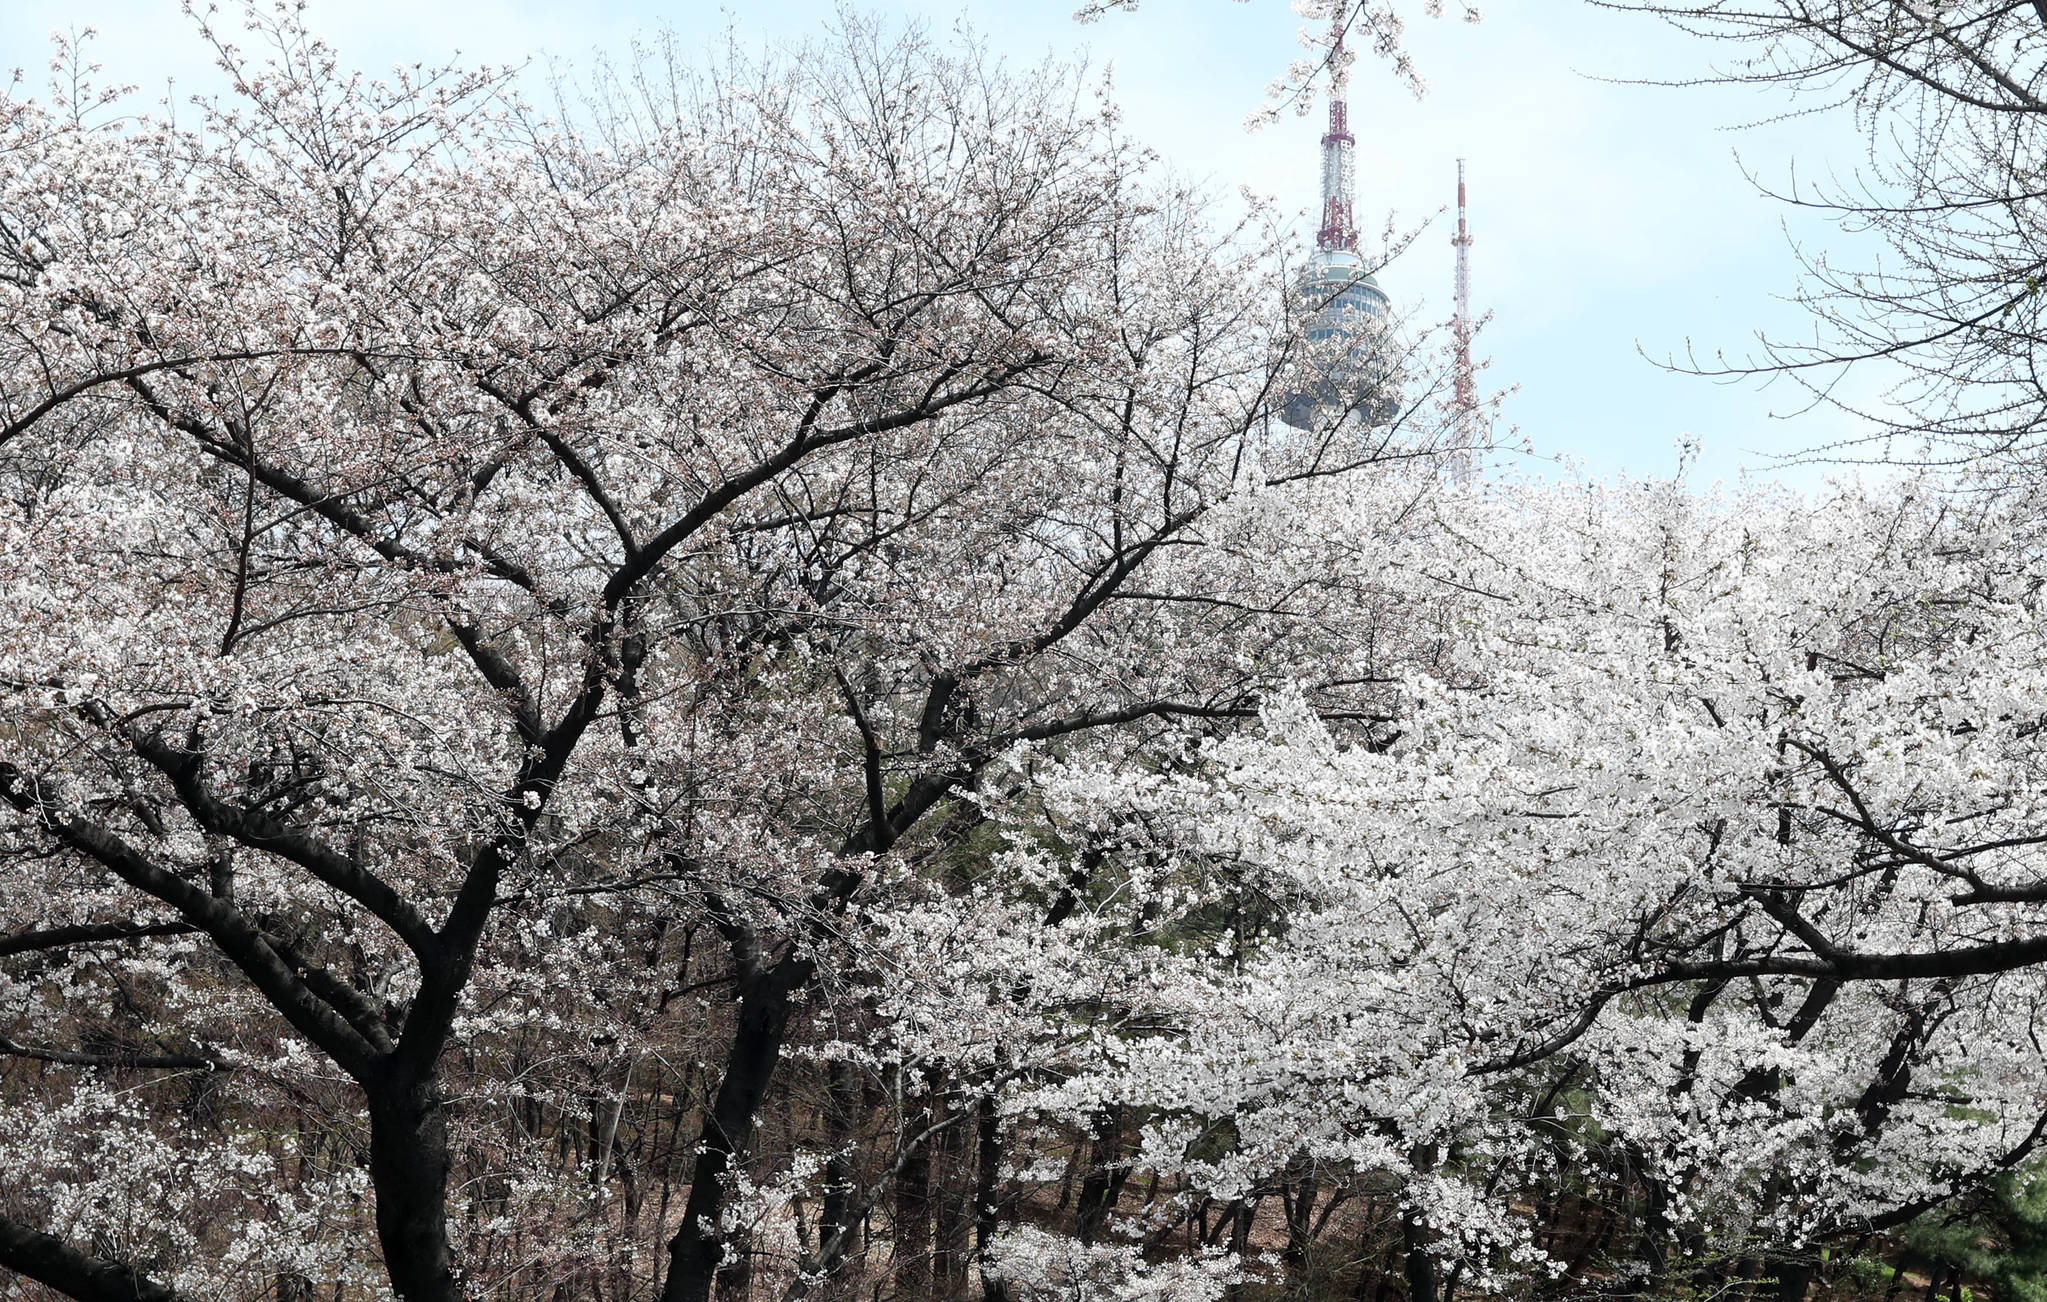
[(1951, 96)]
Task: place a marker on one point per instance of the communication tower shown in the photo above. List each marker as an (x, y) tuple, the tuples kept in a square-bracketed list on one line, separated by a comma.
[(1345, 308), (1466, 391)]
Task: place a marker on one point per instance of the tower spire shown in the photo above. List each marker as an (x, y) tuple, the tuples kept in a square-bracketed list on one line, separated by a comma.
[(1339, 148), (1466, 398)]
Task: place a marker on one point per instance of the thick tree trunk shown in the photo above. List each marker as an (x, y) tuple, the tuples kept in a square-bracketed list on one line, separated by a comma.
[(409, 1173), (913, 1201), (1243, 1214), (953, 1190), (987, 1178), (698, 1248), (1654, 1244), (1792, 1276), (1420, 1265), (1103, 1184), (1906, 1260), (1300, 1201)]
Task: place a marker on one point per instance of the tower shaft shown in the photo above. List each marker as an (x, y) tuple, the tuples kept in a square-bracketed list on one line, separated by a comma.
[(1466, 392)]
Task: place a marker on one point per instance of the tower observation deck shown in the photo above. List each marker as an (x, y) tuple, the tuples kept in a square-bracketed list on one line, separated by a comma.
[(1345, 372)]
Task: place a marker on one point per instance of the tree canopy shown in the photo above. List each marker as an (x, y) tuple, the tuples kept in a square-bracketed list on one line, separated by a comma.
[(743, 693)]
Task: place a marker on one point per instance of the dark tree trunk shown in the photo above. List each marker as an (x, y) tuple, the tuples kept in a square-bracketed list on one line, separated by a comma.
[(1420, 1266), (698, 1248), (1299, 1200), (1105, 1175), (409, 1172), (1933, 1272), (1906, 1260), (913, 1199), (1656, 1228), (835, 1229), (1243, 1214), (953, 1188), (987, 1180), (1792, 1276), (1368, 1276)]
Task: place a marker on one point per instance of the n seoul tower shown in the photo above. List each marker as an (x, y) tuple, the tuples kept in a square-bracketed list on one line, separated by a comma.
[(1345, 307)]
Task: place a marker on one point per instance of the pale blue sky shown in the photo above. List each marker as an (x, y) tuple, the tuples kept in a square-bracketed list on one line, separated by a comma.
[(1604, 215)]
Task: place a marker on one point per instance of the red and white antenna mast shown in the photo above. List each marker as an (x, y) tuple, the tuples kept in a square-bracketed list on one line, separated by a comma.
[(1339, 149), (1466, 384)]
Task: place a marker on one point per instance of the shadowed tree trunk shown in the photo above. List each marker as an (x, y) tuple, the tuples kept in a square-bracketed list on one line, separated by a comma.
[(953, 1189), (1299, 1199), (1420, 1264), (1103, 1184), (987, 1181), (698, 1248), (913, 1197), (409, 1170)]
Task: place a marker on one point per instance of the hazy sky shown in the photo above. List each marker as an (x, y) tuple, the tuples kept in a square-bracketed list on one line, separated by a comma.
[(1610, 220)]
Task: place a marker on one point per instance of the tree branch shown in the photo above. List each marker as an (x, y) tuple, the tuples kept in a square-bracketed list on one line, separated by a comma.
[(133, 1058), (90, 933), (50, 1261), (236, 936)]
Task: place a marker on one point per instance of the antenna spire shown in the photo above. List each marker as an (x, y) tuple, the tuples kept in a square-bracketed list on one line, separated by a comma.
[(1339, 150), (1466, 393)]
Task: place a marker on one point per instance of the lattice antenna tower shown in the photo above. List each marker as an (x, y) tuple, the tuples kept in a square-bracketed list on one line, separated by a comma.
[(1466, 402), (1339, 164)]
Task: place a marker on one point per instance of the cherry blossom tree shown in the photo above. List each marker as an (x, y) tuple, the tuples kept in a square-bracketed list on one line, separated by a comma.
[(737, 690), (460, 565), (1700, 864)]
